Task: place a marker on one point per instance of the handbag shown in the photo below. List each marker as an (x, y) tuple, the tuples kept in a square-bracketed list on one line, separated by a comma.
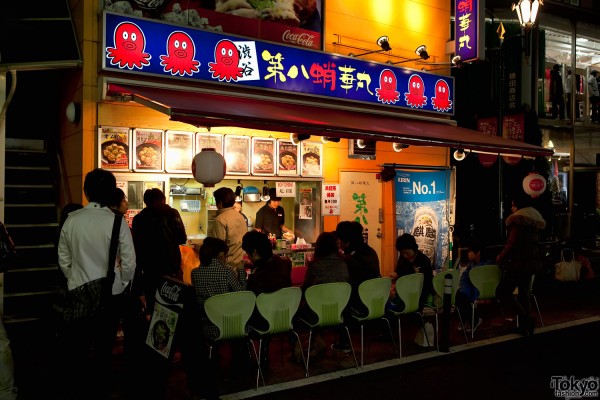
[(89, 299), (567, 271)]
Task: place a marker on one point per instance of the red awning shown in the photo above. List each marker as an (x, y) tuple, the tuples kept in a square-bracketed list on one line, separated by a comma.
[(210, 109)]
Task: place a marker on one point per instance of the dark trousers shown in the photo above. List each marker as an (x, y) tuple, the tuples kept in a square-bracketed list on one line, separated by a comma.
[(512, 279), (558, 106), (577, 112), (595, 102)]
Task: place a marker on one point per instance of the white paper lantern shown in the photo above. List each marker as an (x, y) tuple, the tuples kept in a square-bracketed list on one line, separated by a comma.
[(534, 184), (208, 167)]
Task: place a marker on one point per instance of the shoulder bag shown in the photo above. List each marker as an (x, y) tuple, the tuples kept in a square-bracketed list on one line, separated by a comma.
[(89, 299), (566, 271)]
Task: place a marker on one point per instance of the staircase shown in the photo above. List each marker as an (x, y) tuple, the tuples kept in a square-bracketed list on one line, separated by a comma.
[(32, 279)]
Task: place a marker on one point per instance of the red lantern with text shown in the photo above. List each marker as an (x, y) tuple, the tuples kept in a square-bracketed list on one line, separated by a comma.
[(208, 167), (534, 184)]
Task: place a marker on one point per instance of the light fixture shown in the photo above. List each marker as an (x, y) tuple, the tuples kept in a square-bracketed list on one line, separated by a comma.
[(383, 42), (208, 167), (398, 147), (296, 138), (73, 112), (265, 193), (550, 144), (527, 11), (421, 51), (326, 139), (457, 61), (238, 190), (459, 155), (361, 143)]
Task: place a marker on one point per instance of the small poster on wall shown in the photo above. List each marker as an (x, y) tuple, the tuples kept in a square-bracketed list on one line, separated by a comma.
[(312, 164), (287, 158), (331, 199), (263, 156), (180, 151), (148, 145), (209, 140), (113, 146), (306, 204), (237, 154)]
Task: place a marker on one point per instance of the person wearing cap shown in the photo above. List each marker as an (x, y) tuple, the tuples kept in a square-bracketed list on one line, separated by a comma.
[(270, 218), (594, 94)]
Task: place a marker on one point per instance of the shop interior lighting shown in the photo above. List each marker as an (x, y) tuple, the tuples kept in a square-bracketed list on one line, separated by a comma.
[(296, 138), (421, 51), (361, 143), (265, 193), (383, 42), (398, 147), (459, 154), (326, 139)]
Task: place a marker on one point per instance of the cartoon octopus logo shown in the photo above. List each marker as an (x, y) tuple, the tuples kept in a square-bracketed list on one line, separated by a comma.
[(180, 55), (227, 58), (386, 92), (441, 101), (129, 47), (416, 88)]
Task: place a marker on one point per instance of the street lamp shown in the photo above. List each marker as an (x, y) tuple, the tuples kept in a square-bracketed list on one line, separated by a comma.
[(527, 11)]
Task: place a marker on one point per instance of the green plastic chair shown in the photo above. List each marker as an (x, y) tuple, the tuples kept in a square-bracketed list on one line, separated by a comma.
[(439, 282), (486, 279), (327, 301), (409, 288), (374, 294), (278, 308), (230, 312)]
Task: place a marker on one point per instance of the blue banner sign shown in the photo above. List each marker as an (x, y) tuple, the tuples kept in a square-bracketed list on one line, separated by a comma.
[(137, 45), (422, 210)]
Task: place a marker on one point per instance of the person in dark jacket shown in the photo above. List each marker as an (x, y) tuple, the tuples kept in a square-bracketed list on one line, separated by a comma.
[(557, 94), (520, 260), (269, 271), (411, 260)]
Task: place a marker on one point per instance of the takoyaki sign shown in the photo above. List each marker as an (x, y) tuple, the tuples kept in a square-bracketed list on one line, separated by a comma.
[(142, 46)]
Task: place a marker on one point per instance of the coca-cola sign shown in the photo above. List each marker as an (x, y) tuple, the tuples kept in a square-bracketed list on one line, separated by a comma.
[(300, 39)]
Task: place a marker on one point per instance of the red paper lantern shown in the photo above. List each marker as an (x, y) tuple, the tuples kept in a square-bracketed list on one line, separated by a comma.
[(208, 167), (534, 184)]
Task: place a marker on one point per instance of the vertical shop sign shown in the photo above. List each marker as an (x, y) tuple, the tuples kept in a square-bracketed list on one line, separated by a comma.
[(422, 210), (305, 206), (489, 126), (513, 127), (468, 33), (331, 199)]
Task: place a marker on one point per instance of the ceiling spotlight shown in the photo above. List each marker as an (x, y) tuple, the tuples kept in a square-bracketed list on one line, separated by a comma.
[(398, 147), (361, 143), (326, 139), (421, 51), (459, 155), (384, 43), (296, 138)]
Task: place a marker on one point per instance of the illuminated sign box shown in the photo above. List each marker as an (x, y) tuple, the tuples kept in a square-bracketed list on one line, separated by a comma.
[(469, 22), (143, 46)]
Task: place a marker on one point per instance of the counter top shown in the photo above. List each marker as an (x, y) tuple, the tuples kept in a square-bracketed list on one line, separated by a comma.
[(290, 251)]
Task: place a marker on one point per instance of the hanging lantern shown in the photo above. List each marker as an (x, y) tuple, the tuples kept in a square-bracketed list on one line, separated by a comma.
[(534, 184), (208, 167)]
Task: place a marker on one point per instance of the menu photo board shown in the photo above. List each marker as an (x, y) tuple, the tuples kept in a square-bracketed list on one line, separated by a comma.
[(263, 156), (148, 145), (287, 158), (209, 141), (311, 158), (113, 148), (237, 155), (180, 151)]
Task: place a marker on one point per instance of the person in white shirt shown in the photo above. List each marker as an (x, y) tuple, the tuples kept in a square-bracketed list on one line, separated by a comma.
[(83, 252), (594, 94), (568, 87)]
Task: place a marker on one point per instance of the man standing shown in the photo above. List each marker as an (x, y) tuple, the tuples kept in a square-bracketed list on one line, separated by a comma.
[(270, 218), (557, 93), (594, 94), (83, 252), (229, 226)]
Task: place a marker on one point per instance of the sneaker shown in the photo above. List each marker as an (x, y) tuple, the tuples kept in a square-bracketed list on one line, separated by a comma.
[(477, 324), (344, 348)]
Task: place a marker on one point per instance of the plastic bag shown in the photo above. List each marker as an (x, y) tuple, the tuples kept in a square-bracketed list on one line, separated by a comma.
[(420, 338), (567, 271)]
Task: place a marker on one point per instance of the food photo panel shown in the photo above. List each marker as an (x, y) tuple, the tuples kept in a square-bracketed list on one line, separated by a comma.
[(237, 155), (287, 158), (113, 148), (149, 150), (207, 141), (263, 156), (180, 151), (311, 156)]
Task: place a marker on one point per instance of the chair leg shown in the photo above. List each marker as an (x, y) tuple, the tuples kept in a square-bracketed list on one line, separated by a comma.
[(437, 332), (351, 346), (304, 361), (257, 357), (308, 351), (424, 330), (538, 308), (362, 345), (473, 305), (259, 353), (462, 324), (391, 334), (399, 338)]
